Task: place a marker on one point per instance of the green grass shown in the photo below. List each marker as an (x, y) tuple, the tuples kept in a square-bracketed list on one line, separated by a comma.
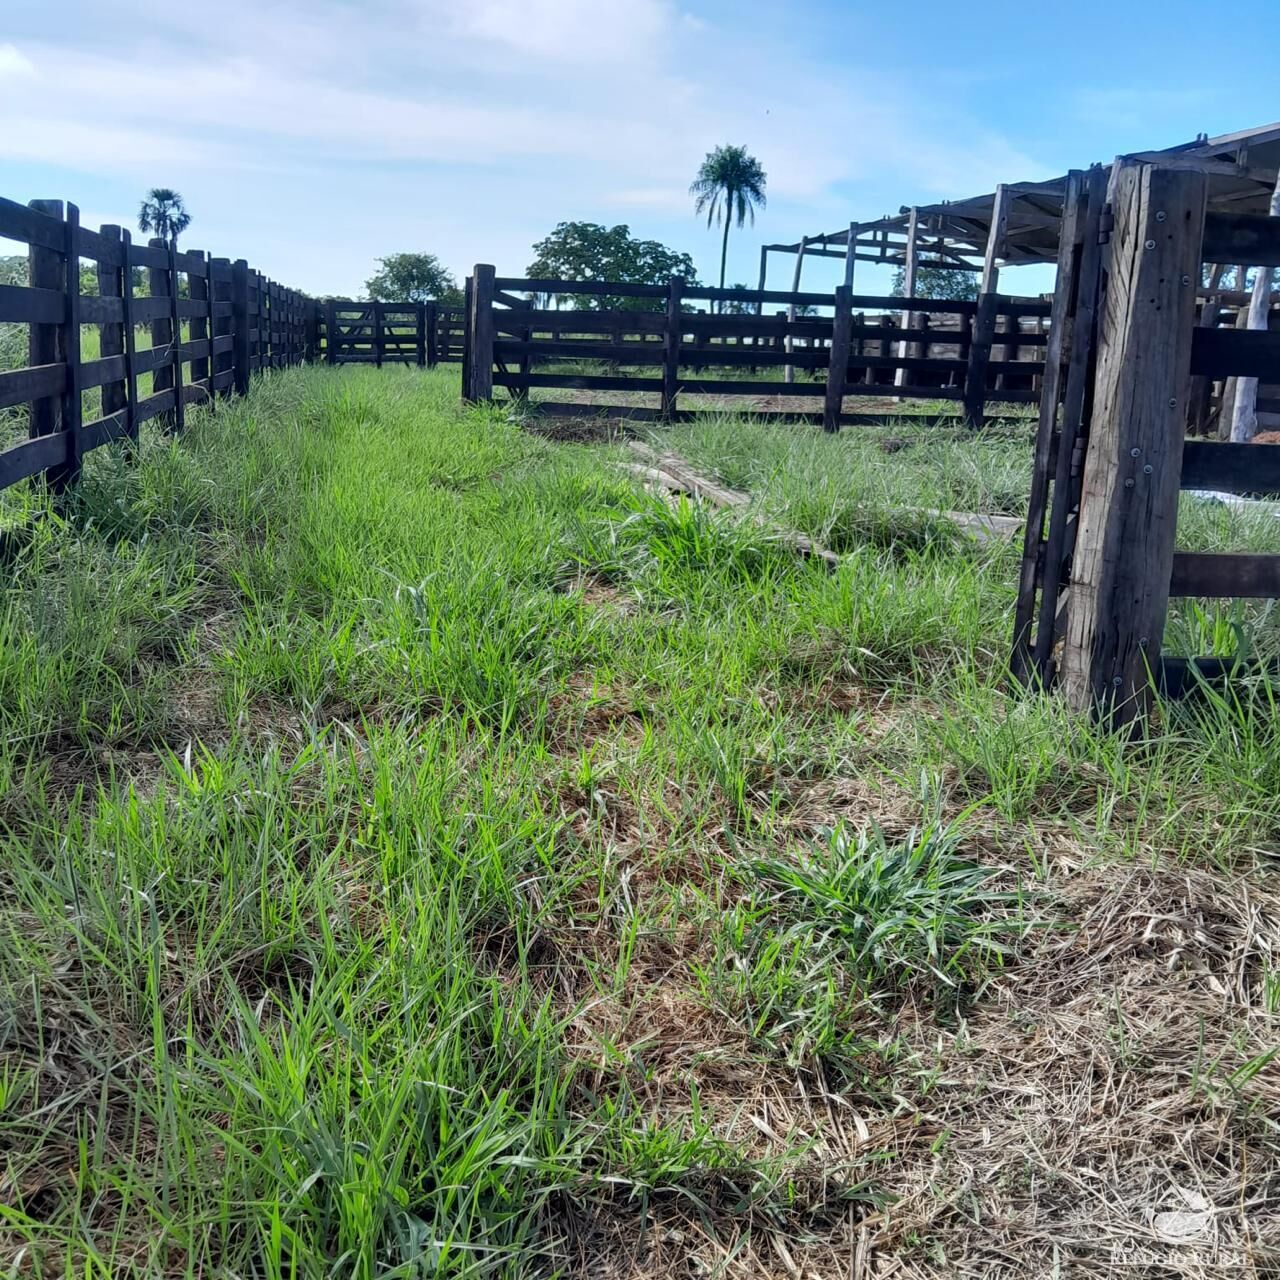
[(428, 854)]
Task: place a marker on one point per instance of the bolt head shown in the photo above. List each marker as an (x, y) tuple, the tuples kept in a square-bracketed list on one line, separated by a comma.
[(1128, 484), (1161, 215), (1186, 280), (1134, 452), (1173, 402), (1151, 244), (1146, 471), (1118, 681)]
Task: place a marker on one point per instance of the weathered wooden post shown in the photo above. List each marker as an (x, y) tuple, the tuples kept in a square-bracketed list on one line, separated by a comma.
[(467, 289), (46, 269), (159, 288), (178, 420), (113, 279), (975, 376), (331, 332), (671, 336), (1129, 503), (838, 368), (222, 325), (201, 330), (789, 373), (240, 326), (378, 338), (482, 332)]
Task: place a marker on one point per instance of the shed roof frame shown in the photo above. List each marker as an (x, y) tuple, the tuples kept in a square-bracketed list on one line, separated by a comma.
[(1241, 168)]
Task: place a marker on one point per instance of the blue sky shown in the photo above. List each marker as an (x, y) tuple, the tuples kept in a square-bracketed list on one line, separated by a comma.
[(311, 137)]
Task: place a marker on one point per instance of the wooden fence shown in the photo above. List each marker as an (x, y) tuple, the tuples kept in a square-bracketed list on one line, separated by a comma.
[(1099, 560), (378, 333), (209, 325), (668, 342)]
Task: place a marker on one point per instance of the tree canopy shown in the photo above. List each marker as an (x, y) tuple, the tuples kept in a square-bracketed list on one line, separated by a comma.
[(413, 277), (164, 213), (935, 282), (589, 251), (729, 188)]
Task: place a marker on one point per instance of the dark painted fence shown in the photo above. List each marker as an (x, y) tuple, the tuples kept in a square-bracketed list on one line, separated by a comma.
[(671, 341), (207, 326)]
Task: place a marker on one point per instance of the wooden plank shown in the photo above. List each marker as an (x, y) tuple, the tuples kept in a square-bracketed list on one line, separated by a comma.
[(997, 239), (96, 373), (31, 457), (34, 224), (483, 333), (102, 309), (1252, 353), (1227, 575), (1125, 541), (574, 322), (619, 353), (20, 305), (579, 381), (1231, 238), (152, 256), (1032, 573), (153, 406), (36, 382), (1231, 468)]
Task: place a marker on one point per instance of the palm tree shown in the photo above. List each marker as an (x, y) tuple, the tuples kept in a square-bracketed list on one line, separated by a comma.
[(730, 185), (164, 213)]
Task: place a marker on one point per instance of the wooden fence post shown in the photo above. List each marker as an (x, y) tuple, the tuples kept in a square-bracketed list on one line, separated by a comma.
[(429, 318), (467, 290), (482, 332), (422, 335), (72, 405), (671, 336), (1129, 503), (159, 286), (975, 379), (240, 326), (377, 335), (221, 326), (46, 269), (179, 419), (838, 368), (113, 281), (201, 326), (330, 332)]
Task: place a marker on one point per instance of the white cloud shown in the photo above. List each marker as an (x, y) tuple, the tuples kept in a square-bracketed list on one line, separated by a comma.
[(14, 63)]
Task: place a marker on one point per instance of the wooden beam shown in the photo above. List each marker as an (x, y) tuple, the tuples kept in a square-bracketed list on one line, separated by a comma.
[(1129, 504), (909, 286), (789, 374), (850, 256), (997, 237)]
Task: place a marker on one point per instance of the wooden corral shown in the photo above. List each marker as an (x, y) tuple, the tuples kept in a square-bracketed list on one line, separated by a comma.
[(668, 342), (212, 325), (378, 333)]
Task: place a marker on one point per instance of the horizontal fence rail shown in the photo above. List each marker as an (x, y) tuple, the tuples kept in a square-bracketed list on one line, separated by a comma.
[(671, 341), (173, 328)]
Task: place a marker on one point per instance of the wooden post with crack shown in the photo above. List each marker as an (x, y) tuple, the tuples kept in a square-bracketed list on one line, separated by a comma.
[(1129, 503)]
